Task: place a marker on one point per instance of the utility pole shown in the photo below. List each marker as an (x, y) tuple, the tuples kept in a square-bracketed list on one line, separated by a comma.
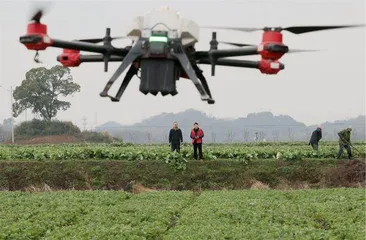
[(12, 116)]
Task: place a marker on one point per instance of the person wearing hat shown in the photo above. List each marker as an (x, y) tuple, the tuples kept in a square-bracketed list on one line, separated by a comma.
[(196, 136), (315, 138), (345, 142)]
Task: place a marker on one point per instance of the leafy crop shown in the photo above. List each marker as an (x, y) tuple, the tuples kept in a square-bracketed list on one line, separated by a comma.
[(251, 214), (130, 152), (258, 214)]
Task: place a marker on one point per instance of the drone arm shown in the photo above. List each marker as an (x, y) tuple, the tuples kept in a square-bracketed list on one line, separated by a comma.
[(244, 51), (96, 58), (232, 63), (265, 66), (36, 42)]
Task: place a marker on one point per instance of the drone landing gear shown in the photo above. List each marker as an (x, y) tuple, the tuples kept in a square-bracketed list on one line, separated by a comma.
[(204, 83), (186, 65), (131, 72), (132, 55)]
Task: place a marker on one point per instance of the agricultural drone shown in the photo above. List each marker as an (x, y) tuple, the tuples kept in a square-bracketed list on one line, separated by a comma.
[(163, 50)]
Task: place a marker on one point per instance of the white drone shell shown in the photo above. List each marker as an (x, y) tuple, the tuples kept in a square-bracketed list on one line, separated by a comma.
[(165, 19)]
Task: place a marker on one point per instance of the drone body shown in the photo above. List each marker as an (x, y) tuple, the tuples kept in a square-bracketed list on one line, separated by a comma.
[(164, 51)]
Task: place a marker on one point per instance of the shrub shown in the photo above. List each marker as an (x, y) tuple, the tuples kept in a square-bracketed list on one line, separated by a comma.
[(38, 128), (98, 137)]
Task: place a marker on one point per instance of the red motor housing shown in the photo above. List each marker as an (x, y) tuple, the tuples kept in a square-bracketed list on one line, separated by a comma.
[(36, 37), (69, 58), (268, 66), (272, 46)]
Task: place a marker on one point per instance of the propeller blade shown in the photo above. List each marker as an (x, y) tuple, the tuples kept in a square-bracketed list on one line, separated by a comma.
[(97, 40), (234, 28), (306, 29), (37, 16), (303, 50), (39, 9), (238, 44), (294, 29)]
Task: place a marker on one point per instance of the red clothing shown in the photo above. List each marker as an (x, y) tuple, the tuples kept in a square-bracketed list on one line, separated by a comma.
[(200, 135)]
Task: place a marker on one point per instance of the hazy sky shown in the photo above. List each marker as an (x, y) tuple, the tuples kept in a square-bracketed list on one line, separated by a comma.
[(313, 88)]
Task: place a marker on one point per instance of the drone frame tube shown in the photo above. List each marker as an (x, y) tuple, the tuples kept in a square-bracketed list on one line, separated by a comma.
[(89, 47), (222, 53), (97, 58), (231, 63)]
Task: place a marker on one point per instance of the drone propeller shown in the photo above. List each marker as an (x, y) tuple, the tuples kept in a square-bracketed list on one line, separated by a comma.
[(98, 40), (38, 10), (238, 44), (294, 29), (37, 16), (107, 39), (290, 51), (303, 50)]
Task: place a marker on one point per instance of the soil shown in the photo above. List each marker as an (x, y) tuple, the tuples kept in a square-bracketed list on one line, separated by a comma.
[(49, 140)]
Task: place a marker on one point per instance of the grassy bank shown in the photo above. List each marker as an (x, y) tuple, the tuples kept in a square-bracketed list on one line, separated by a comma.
[(214, 174)]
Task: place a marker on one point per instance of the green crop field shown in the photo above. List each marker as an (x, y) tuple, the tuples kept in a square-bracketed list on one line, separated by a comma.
[(250, 214), (130, 152)]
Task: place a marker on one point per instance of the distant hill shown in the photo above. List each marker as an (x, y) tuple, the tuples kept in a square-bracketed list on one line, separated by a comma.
[(263, 126)]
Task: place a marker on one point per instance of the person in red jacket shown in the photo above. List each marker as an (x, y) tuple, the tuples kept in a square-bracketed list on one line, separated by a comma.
[(197, 135)]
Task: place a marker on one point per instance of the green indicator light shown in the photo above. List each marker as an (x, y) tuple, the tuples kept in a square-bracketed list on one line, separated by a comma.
[(158, 39)]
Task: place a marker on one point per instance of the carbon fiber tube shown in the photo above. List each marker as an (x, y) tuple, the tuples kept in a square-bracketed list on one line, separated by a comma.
[(89, 47), (231, 63), (96, 58), (244, 51), (99, 58)]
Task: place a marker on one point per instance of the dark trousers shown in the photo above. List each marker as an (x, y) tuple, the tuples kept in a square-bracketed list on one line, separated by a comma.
[(347, 147), (315, 146), (199, 146), (175, 146)]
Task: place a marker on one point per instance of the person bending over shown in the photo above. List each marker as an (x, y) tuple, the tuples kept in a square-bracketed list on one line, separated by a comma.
[(315, 138)]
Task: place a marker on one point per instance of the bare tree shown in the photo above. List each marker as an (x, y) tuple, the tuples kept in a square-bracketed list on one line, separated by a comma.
[(230, 136), (276, 136), (291, 135), (213, 137), (246, 135)]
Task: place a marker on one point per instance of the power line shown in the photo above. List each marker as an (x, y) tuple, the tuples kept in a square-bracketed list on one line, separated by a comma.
[(244, 126)]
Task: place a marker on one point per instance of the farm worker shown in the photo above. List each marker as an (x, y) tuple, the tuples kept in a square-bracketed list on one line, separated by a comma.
[(175, 138), (196, 136), (315, 138), (345, 142)]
